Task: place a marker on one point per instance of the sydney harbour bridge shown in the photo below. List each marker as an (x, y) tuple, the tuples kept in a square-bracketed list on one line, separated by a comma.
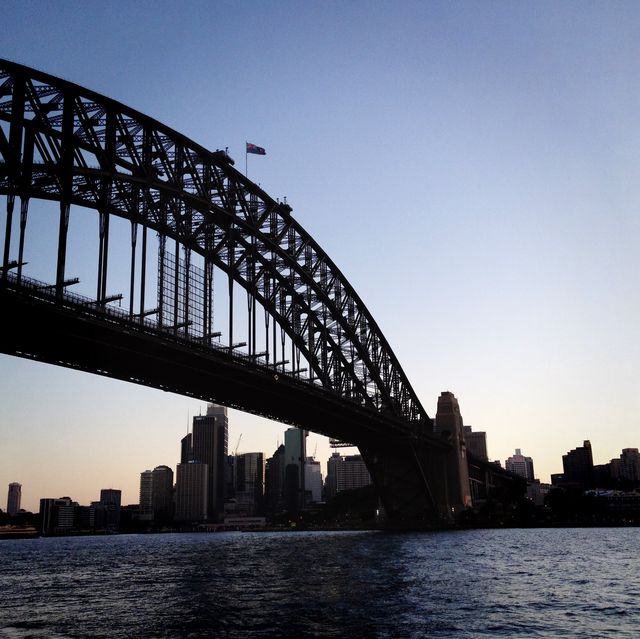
[(227, 298)]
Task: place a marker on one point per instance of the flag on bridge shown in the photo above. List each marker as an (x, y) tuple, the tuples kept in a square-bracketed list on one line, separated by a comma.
[(258, 150)]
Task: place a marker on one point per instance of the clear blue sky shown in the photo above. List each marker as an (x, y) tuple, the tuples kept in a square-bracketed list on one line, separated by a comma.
[(472, 168)]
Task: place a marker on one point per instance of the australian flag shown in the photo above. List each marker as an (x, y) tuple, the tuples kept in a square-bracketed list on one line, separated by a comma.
[(258, 150)]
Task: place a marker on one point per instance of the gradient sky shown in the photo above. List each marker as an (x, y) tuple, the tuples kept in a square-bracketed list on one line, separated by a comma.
[(473, 168)]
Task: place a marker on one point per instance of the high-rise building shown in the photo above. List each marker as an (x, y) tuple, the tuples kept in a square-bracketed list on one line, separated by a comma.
[(210, 442), (578, 466), (230, 478), (13, 498), (476, 443), (346, 473), (146, 495), (627, 466), (518, 464), (294, 456), (110, 500), (274, 481), (186, 448), (249, 485), (191, 491), (162, 493), (313, 480)]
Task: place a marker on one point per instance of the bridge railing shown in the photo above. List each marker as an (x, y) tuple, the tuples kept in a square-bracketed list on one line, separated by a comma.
[(106, 310)]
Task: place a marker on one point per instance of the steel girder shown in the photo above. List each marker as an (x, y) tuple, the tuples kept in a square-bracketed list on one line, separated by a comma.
[(65, 143)]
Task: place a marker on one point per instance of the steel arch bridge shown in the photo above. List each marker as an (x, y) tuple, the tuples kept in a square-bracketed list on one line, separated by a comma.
[(312, 355)]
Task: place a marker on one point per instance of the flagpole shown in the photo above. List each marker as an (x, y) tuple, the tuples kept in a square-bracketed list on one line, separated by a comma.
[(246, 154)]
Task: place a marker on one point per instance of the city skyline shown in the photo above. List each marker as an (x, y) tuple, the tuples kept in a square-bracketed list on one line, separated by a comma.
[(479, 188)]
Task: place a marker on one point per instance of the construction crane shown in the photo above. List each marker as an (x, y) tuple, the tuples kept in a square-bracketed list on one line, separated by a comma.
[(235, 452)]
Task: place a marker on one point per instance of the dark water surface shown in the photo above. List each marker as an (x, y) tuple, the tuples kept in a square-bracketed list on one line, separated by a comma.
[(480, 583)]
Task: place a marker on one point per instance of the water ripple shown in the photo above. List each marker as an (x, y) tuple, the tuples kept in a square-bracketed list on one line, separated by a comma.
[(498, 583)]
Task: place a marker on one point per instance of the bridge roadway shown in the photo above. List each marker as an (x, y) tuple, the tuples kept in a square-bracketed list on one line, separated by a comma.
[(406, 461)]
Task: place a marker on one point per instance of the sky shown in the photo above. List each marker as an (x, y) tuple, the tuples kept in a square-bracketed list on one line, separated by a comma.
[(473, 168)]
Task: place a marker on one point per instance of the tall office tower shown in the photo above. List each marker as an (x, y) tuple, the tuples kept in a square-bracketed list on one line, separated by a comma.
[(274, 481), (449, 424), (313, 480), (346, 473), (331, 483), (476, 443), (13, 498), (578, 466), (191, 491), (629, 467), (518, 464), (186, 448), (230, 477), (250, 484), (294, 454), (162, 493), (110, 500), (146, 495), (210, 442)]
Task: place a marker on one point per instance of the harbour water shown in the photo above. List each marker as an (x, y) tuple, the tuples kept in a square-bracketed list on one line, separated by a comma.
[(479, 583)]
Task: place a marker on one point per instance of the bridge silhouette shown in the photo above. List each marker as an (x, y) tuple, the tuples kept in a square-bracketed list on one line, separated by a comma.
[(243, 308)]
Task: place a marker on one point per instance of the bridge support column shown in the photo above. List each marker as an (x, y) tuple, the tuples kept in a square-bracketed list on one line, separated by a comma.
[(63, 229), (11, 200), (411, 480)]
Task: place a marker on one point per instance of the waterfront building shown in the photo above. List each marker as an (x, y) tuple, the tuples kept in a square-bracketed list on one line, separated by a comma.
[(578, 466), (476, 443), (346, 473), (146, 495), (518, 464), (249, 484), (57, 516), (627, 467), (191, 491), (294, 454), (110, 501), (313, 480), (210, 436), (13, 498), (274, 481), (162, 493), (537, 491)]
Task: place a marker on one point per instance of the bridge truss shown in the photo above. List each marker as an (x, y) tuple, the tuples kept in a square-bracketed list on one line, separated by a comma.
[(305, 328)]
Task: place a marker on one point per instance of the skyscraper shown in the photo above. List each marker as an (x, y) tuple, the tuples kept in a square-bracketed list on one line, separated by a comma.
[(518, 464), (110, 500), (294, 454), (210, 443), (13, 498), (249, 485), (313, 480), (186, 448), (146, 495), (162, 493), (191, 491), (274, 481)]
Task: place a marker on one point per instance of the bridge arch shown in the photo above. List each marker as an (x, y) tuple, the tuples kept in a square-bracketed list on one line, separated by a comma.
[(61, 142), (69, 145)]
